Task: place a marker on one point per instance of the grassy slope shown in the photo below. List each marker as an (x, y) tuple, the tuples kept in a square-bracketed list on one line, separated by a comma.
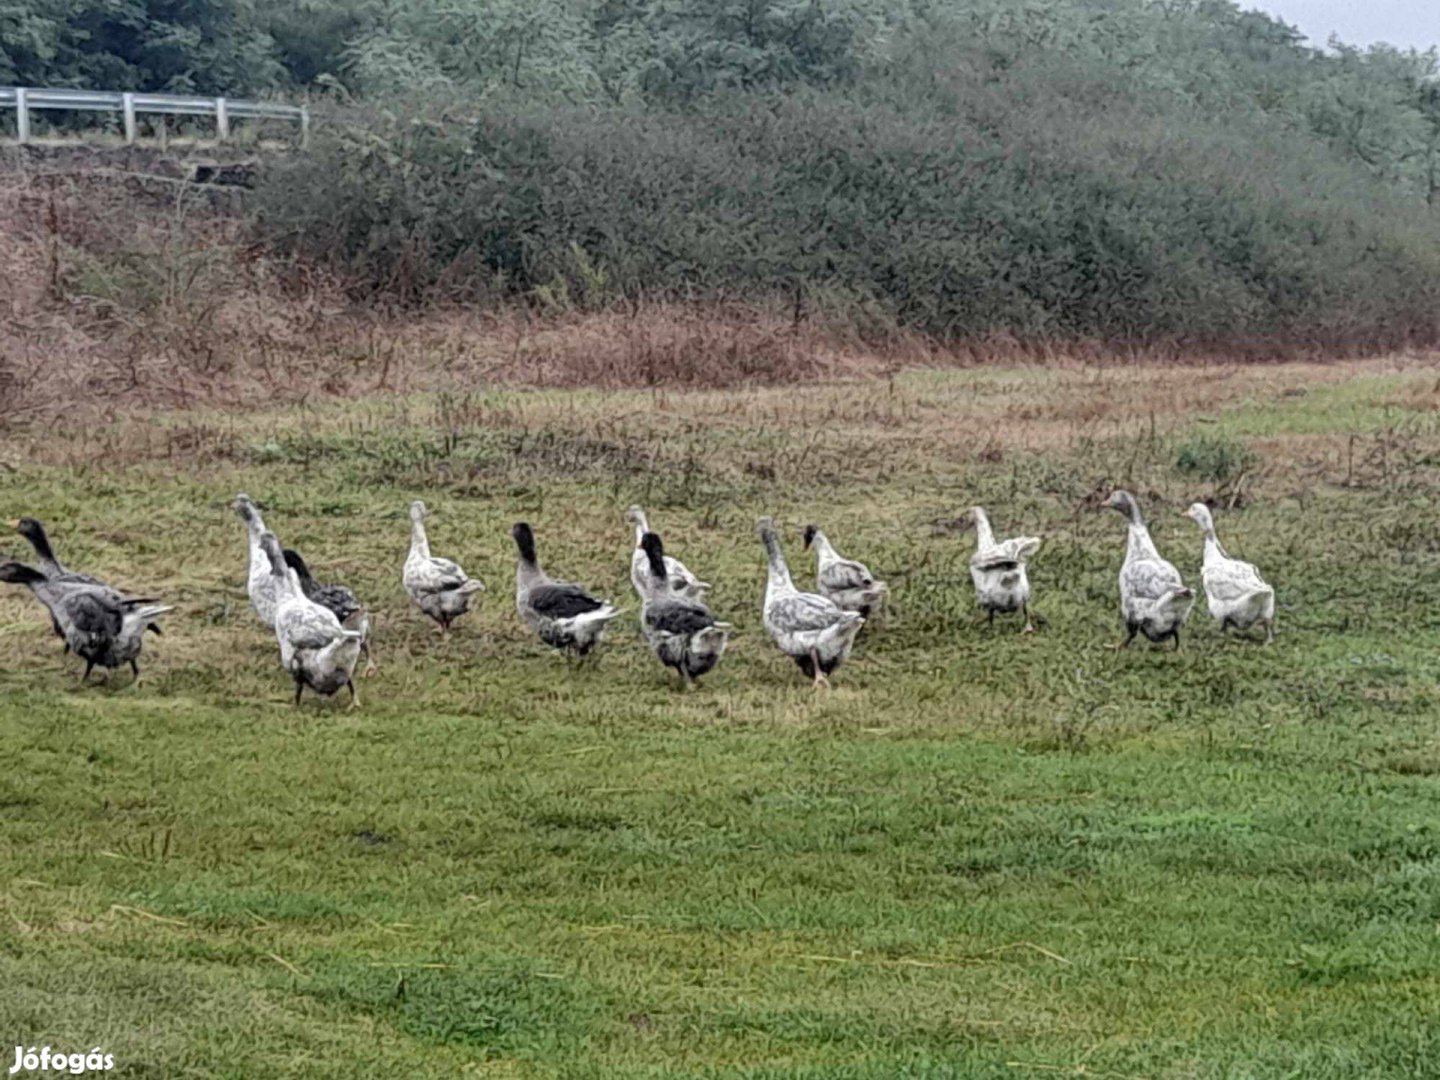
[(980, 855)]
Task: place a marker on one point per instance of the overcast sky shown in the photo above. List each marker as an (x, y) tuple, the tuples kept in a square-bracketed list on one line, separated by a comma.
[(1360, 22)]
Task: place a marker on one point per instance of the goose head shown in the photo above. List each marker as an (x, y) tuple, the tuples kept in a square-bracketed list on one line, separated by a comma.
[(1200, 514), (1124, 502), (524, 537), (34, 533), (244, 506), (16, 573), (654, 550), (418, 512)]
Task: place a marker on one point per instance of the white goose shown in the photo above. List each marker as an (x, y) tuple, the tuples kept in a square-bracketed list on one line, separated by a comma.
[(438, 586), (1153, 599), (314, 648), (258, 584), (1237, 594), (998, 570), (810, 629), (678, 575), (848, 584)]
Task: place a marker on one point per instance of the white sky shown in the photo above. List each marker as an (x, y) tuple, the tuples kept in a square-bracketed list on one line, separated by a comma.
[(1405, 23)]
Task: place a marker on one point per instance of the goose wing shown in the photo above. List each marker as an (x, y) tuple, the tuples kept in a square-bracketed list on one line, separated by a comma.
[(678, 618), (561, 600), (803, 611), (1233, 580), (338, 599), (1149, 579), (309, 626), (846, 574), (438, 575), (92, 613)]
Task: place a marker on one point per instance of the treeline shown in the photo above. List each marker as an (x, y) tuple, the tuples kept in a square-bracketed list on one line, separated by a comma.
[(1148, 171)]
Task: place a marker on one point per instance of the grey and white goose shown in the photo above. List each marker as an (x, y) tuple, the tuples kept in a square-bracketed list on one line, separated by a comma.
[(562, 614), (1153, 599), (1238, 596), (438, 587), (997, 570), (810, 629), (314, 648), (345, 605), (681, 631), (99, 625), (55, 572), (846, 583), (259, 583), (677, 573)]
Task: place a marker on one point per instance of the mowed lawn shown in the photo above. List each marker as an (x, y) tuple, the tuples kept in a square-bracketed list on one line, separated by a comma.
[(980, 855)]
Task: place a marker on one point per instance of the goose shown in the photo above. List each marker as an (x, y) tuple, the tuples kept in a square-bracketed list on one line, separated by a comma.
[(1235, 591), (998, 571), (1153, 599), (34, 533), (678, 575), (438, 586), (848, 584), (314, 648), (810, 629), (564, 616), (99, 625), (681, 631), (345, 605), (259, 583)]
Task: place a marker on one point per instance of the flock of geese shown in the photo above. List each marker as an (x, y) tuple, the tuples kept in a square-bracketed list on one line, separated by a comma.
[(323, 630)]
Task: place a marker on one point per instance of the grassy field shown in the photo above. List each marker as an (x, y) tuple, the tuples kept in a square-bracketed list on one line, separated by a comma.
[(981, 855)]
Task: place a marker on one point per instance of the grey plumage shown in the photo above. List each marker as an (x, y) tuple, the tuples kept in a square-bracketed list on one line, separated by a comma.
[(438, 587), (681, 631), (98, 624), (562, 614), (314, 648), (339, 600), (809, 628), (1153, 599)]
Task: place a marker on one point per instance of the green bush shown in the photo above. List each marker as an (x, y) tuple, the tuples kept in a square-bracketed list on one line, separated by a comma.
[(1218, 460), (997, 217)]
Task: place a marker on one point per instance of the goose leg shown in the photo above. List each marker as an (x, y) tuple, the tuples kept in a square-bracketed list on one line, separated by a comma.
[(370, 666), (821, 682), (89, 667), (990, 618), (1269, 631), (354, 697), (299, 686), (1029, 626), (1133, 628), (1176, 635)]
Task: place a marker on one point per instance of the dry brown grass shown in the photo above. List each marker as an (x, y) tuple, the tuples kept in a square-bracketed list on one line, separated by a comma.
[(128, 295)]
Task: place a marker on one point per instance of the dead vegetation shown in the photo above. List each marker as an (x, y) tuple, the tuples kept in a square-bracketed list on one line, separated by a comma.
[(131, 294)]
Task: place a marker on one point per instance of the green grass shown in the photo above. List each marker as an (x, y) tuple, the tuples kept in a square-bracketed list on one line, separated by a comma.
[(981, 855)]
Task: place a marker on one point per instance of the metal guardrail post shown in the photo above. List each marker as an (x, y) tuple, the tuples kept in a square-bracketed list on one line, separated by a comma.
[(22, 116), (127, 104), (222, 120), (304, 127)]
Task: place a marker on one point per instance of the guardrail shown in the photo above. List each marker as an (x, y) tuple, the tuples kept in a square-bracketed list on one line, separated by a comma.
[(24, 100)]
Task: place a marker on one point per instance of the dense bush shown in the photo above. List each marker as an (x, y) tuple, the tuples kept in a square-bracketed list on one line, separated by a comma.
[(1025, 212)]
